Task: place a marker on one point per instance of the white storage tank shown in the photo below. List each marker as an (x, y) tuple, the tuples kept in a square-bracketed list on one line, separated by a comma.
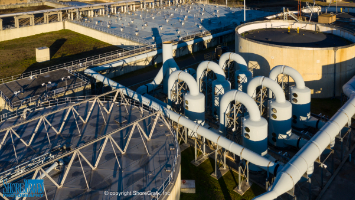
[(280, 116), (195, 107), (255, 138), (301, 106)]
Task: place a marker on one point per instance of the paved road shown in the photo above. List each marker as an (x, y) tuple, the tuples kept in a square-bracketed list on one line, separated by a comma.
[(191, 60)]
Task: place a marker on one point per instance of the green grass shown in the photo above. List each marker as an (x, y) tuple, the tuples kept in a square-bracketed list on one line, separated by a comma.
[(19, 55), (208, 187), (328, 106)]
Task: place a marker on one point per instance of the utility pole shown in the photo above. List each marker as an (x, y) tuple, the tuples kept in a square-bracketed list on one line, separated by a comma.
[(336, 6), (244, 12)]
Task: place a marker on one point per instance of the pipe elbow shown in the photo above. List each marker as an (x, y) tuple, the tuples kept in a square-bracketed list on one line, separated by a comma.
[(267, 82), (283, 69), (233, 57), (246, 100), (212, 66), (187, 78)]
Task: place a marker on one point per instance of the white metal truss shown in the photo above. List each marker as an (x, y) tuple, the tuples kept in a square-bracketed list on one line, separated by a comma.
[(102, 140), (43, 121)]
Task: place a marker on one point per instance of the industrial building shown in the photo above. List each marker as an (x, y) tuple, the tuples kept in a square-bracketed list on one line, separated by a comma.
[(89, 137)]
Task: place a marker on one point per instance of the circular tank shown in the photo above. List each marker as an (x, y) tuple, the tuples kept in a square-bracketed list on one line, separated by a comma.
[(301, 106), (255, 137), (243, 77), (219, 88), (323, 54), (279, 122), (195, 107)]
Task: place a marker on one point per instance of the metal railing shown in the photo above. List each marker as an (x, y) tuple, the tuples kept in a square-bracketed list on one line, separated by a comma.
[(79, 64), (161, 190)]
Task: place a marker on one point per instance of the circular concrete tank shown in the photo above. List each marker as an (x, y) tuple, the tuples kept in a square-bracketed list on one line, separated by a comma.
[(323, 54)]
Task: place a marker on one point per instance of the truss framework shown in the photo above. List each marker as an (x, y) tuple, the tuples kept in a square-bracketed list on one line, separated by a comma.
[(104, 140)]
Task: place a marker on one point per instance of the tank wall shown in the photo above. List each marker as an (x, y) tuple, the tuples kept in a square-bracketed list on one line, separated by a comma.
[(316, 65)]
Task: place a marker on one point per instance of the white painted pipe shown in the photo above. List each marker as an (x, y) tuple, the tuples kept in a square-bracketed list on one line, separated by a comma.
[(349, 88), (221, 141), (244, 99), (305, 157), (164, 72), (243, 75), (233, 57), (282, 69), (187, 78), (254, 130), (267, 82), (212, 66)]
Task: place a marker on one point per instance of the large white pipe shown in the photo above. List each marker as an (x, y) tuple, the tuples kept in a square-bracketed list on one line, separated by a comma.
[(246, 100), (187, 78), (233, 57), (305, 157), (211, 66), (254, 129), (169, 65), (241, 76), (269, 83), (282, 69), (349, 88), (221, 141), (300, 96)]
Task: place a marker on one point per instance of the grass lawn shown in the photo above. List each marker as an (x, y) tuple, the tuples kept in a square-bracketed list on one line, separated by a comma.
[(19, 55), (208, 187), (328, 106), (24, 9)]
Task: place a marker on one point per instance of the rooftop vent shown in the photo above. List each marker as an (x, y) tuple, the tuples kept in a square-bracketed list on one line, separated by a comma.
[(137, 33)]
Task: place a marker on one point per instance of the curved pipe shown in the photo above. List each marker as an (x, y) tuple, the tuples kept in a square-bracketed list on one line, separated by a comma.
[(212, 66), (282, 69), (349, 88), (168, 62), (267, 82), (187, 78), (205, 132), (305, 157), (238, 96), (233, 57)]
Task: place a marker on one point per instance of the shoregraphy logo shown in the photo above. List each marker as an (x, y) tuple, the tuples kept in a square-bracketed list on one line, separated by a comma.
[(30, 188)]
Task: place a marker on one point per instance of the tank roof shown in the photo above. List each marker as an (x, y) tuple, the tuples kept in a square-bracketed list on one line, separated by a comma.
[(305, 38)]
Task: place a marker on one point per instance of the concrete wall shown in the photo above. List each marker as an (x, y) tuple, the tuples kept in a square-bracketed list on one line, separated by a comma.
[(5, 4), (10, 34), (316, 65), (55, 5), (105, 37), (174, 192)]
